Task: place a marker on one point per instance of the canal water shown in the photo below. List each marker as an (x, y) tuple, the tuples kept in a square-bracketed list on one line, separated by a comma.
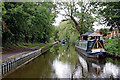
[(63, 61)]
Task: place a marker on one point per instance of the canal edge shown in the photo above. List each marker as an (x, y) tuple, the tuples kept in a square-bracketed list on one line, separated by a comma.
[(13, 64)]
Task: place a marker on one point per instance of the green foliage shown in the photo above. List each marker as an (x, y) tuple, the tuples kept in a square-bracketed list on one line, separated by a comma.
[(28, 45), (104, 31), (112, 46), (67, 32), (27, 22), (109, 11)]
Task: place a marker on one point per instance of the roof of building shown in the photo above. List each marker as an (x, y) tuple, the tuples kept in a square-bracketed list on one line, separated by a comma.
[(94, 34)]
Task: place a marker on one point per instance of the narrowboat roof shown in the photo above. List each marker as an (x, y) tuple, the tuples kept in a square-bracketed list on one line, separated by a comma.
[(92, 40), (86, 34), (94, 34)]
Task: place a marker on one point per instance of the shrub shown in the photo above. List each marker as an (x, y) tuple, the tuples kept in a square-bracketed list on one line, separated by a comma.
[(112, 46)]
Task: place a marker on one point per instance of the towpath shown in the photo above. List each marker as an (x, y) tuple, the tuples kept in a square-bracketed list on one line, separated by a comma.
[(16, 53)]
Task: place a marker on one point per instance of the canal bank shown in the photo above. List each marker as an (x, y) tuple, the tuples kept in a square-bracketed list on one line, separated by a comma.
[(14, 62), (63, 61)]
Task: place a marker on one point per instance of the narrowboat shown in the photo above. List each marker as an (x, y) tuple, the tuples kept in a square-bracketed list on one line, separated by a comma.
[(91, 47)]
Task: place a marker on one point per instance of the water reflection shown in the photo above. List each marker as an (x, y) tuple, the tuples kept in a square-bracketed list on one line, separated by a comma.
[(62, 70), (110, 70), (63, 65), (64, 62), (96, 68)]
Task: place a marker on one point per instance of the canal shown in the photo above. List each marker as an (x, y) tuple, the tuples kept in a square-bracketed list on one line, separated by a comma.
[(63, 61)]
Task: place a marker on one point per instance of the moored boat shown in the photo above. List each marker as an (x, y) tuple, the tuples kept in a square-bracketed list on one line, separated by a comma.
[(91, 48)]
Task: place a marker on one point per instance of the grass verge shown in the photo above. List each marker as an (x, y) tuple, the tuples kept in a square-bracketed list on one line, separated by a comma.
[(28, 45)]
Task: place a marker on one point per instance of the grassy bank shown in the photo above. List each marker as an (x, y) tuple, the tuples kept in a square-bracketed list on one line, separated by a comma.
[(112, 46), (28, 45), (20, 46)]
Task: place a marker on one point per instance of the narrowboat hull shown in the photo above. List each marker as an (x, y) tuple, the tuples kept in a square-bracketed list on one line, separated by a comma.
[(90, 55)]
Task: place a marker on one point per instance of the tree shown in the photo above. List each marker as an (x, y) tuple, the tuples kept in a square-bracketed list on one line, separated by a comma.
[(112, 14), (110, 11), (27, 22), (67, 32), (79, 13)]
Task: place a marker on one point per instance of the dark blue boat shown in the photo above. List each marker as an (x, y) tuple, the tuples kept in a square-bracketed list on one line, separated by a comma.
[(91, 48)]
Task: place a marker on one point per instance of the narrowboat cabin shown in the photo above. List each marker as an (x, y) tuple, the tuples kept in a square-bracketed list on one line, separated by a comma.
[(91, 48)]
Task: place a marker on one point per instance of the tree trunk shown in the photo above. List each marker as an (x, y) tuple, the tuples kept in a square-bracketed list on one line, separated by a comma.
[(32, 39), (76, 24), (26, 38)]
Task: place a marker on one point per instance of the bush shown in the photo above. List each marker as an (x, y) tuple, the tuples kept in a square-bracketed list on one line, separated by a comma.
[(112, 46)]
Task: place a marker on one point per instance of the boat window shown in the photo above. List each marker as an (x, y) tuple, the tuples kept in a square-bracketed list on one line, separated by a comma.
[(77, 43), (90, 44), (99, 46), (83, 45), (101, 42), (95, 45)]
